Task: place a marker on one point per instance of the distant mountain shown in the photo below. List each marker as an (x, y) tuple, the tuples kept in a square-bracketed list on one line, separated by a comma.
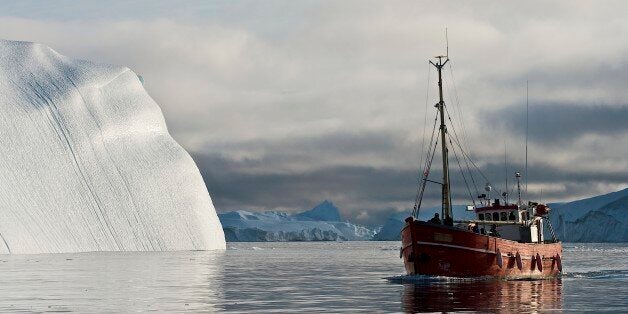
[(602, 218), (325, 211), (321, 223), (391, 230)]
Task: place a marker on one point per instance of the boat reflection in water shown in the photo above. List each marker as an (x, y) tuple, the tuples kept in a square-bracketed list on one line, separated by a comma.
[(482, 295)]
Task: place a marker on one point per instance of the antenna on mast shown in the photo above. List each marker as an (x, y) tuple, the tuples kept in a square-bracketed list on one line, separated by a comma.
[(446, 44), (505, 194), (527, 120), (518, 176)]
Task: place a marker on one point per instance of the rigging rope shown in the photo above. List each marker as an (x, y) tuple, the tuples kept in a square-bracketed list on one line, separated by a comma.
[(461, 171), (427, 96), (464, 139), (459, 107), (426, 168), (417, 204), (466, 160), (457, 141), (454, 105), (471, 160)]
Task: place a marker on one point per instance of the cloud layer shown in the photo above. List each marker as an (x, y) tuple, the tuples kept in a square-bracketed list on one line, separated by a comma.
[(284, 104)]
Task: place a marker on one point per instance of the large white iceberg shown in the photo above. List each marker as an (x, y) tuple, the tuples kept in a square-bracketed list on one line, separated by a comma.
[(87, 164), (322, 223)]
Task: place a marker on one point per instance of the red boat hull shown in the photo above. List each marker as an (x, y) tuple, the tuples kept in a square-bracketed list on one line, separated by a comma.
[(438, 250)]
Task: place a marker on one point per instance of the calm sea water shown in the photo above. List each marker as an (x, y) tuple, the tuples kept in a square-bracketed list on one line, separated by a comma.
[(297, 277)]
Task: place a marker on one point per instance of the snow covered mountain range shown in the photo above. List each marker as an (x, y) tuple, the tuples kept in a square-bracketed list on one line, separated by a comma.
[(602, 218), (322, 223), (87, 162)]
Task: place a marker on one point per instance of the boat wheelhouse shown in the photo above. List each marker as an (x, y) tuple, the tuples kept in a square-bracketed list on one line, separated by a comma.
[(511, 221)]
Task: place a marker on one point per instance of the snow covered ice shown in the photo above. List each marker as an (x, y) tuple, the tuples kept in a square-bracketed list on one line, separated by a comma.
[(87, 163), (321, 223), (597, 219)]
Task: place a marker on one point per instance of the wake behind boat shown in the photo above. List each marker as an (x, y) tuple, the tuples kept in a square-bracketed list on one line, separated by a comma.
[(504, 240)]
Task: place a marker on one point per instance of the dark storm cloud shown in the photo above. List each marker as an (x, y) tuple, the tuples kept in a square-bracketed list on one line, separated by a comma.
[(553, 122), (578, 179), (588, 77), (371, 189), (234, 187), (368, 188)]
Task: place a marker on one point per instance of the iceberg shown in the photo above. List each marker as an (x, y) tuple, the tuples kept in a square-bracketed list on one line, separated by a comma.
[(322, 223), (601, 218), (87, 163), (325, 211)]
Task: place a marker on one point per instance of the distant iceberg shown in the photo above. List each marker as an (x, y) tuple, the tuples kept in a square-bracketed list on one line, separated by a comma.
[(322, 223), (87, 163), (602, 218)]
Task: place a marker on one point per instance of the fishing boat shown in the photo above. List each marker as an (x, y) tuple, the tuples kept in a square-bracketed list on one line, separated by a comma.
[(502, 240)]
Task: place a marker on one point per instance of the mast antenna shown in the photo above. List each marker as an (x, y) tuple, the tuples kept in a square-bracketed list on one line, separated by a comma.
[(518, 176), (527, 123), (506, 169), (446, 44)]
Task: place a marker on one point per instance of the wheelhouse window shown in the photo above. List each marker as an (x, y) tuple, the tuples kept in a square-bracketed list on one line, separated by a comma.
[(495, 216), (487, 216), (503, 216), (512, 216), (481, 217)]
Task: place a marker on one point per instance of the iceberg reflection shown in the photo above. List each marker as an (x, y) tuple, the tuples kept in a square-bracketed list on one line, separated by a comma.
[(117, 282)]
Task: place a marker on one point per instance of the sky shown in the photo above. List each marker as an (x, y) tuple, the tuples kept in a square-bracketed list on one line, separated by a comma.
[(284, 104)]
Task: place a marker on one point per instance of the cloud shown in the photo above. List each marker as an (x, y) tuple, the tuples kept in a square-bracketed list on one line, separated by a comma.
[(378, 191), (284, 104), (550, 123)]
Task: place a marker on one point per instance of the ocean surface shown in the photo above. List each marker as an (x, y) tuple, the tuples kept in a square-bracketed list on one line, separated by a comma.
[(297, 277)]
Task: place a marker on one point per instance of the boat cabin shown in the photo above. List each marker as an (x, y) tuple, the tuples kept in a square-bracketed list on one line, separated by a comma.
[(499, 212), (510, 221)]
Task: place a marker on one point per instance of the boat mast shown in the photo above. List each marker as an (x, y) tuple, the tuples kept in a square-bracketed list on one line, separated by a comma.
[(446, 195)]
